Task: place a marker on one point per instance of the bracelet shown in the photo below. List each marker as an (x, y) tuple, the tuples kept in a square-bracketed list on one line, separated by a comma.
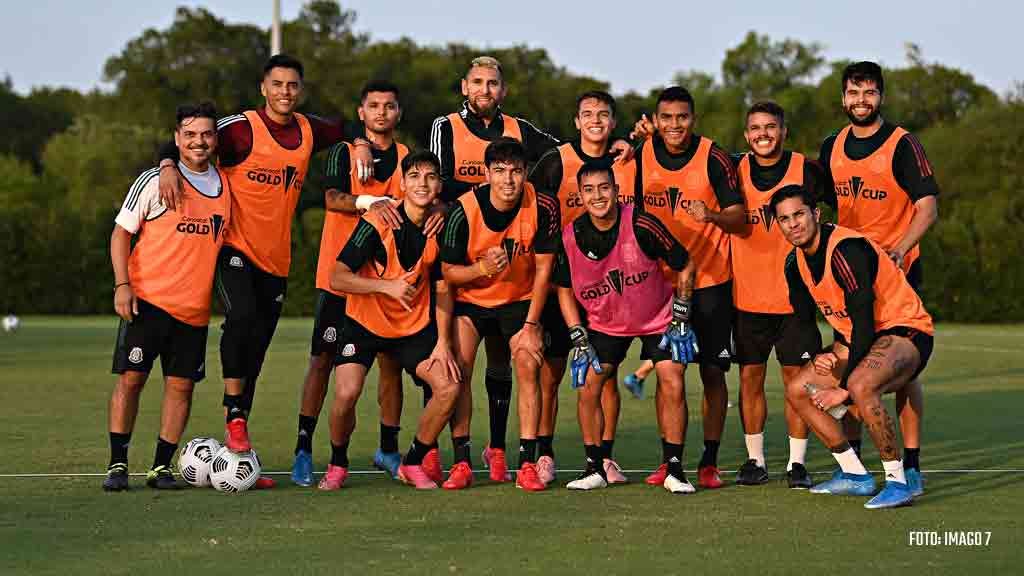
[(118, 285), (362, 142), (483, 268), (162, 166), (529, 323)]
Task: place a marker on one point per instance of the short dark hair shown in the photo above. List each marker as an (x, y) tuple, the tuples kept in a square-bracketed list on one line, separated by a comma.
[(768, 107), (792, 191), (860, 71), (283, 61), (676, 94), (378, 86), (419, 157), (600, 96), (204, 109), (595, 167), (505, 149)]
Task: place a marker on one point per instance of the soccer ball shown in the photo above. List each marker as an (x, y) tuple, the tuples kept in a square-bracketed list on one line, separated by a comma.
[(231, 472), (11, 323), (194, 460)]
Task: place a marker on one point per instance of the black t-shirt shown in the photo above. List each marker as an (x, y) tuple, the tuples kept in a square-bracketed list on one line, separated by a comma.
[(765, 178), (910, 165), (365, 246), (547, 173), (654, 239), (455, 234), (721, 172), (339, 166)]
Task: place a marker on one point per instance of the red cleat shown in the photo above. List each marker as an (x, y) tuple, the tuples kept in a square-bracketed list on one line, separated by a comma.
[(432, 465), (416, 477), (264, 483), (494, 460), (707, 477), (334, 479), (236, 436), (527, 478), (459, 477), (658, 477)]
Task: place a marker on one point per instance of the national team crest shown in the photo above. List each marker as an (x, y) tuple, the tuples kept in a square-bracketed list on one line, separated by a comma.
[(135, 356), (330, 335)]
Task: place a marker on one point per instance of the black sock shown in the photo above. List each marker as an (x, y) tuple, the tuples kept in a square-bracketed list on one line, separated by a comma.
[(339, 454), (912, 458), (307, 425), (606, 449), (233, 402), (546, 446), (855, 444), (499, 397), (164, 452), (433, 446), (595, 454), (389, 438), (527, 451), (414, 457), (673, 456), (461, 447), (710, 455), (119, 447)]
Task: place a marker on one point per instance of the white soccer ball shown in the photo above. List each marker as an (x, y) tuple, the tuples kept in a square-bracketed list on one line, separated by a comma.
[(11, 323), (195, 459), (231, 472)]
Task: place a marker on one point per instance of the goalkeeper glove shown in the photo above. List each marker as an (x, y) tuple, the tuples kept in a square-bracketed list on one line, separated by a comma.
[(581, 356), (679, 338)]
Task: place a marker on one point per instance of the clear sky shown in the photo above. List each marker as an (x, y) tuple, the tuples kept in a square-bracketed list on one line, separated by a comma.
[(633, 44)]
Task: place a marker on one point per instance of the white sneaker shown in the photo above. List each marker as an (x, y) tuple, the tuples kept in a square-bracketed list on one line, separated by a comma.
[(613, 472), (589, 482), (677, 486)]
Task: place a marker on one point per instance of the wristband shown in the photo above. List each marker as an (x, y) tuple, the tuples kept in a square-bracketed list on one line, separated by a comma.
[(361, 142), (680, 309), (162, 166), (364, 201)]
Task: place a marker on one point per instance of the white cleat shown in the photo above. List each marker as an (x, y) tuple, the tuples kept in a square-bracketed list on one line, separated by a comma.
[(677, 486), (590, 481)]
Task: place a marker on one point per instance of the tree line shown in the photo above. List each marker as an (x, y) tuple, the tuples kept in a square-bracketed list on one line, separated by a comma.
[(68, 158)]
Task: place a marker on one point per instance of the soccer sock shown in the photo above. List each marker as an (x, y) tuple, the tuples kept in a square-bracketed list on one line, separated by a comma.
[(389, 438), (233, 402), (164, 452), (855, 444), (339, 454), (527, 451), (606, 449), (912, 458), (595, 454), (461, 446), (849, 461), (499, 397), (119, 447), (797, 452), (414, 457), (894, 471), (710, 455), (545, 446), (673, 455), (304, 442), (755, 447)]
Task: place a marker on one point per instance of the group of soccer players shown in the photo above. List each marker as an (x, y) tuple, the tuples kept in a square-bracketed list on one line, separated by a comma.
[(550, 254)]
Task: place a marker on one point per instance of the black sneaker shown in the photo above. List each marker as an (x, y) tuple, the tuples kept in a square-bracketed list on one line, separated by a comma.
[(117, 478), (161, 478), (751, 474), (798, 477)]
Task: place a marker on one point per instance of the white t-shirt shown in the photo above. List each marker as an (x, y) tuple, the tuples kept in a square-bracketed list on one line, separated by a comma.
[(143, 200)]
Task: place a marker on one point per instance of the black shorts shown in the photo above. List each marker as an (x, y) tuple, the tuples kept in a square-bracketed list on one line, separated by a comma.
[(252, 299), (360, 346), (711, 315), (154, 333), (915, 276), (613, 349), (328, 321), (923, 342), (796, 342), (556, 333), (502, 322)]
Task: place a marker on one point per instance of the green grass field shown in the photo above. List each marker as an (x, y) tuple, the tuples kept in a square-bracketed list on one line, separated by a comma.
[(55, 384)]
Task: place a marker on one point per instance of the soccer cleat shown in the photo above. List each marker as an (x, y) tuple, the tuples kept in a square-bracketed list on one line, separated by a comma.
[(635, 386), (264, 483), (236, 437), (334, 479), (117, 478), (750, 474), (302, 469), (613, 474), (708, 477), (161, 478), (546, 469), (459, 477), (894, 495), (494, 460), (432, 465), (588, 481), (387, 462), (416, 476), (658, 477), (847, 485), (527, 478), (915, 481), (798, 477), (678, 485)]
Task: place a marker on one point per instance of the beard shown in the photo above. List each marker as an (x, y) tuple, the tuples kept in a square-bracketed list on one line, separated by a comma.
[(867, 121)]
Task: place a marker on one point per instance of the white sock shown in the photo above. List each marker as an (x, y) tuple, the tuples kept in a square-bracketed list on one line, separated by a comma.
[(797, 451), (755, 447), (849, 462), (894, 471)]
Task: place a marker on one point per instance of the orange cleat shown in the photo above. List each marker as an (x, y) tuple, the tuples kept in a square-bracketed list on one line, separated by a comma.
[(459, 477), (334, 479), (527, 478), (658, 477), (432, 465), (416, 477), (236, 436), (264, 483), (494, 460), (707, 477)]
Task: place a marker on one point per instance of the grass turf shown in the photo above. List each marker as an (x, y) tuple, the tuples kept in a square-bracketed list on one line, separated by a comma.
[(55, 382)]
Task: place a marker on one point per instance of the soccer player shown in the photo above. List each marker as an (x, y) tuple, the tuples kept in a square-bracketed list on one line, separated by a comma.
[(610, 266), (162, 290), (884, 340), (264, 153), (883, 186), (489, 249), (689, 183), (764, 317), (555, 174), (393, 278)]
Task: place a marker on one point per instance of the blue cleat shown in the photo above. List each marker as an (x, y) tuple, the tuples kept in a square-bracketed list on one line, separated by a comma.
[(894, 495), (914, 481), (302, 469), (387, 462), (635, 386), (847, 485)]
